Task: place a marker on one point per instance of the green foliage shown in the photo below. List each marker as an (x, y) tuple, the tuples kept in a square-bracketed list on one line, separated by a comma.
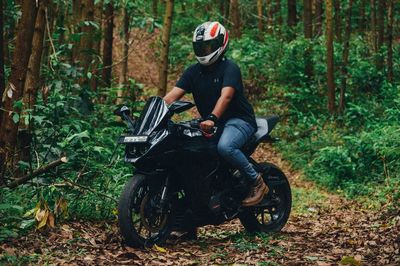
[(6, 259), (358, 153), (13, 218), (66, 122)]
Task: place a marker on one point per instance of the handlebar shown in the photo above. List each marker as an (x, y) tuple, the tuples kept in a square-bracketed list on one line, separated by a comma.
[(195, 125)]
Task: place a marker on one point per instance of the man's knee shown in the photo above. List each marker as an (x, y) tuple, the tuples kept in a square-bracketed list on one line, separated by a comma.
[(225, 150)]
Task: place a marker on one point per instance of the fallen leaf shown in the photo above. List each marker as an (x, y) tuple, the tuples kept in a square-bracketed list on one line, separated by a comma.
[(93, 242), (346, 260), (159, 249), (50, 220), (43, 219), (39, 215)]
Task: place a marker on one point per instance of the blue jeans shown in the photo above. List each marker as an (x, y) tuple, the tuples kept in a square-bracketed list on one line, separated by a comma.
[(235, 134)]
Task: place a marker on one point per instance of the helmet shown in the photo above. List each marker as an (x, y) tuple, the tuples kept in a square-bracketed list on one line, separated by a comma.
[(210, 41)]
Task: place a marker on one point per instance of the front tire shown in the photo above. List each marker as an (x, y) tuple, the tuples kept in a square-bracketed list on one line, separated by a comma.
[(273, 216), (141, 223)]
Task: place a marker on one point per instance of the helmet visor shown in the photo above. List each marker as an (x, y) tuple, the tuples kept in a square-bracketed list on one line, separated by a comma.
[(204, 48)]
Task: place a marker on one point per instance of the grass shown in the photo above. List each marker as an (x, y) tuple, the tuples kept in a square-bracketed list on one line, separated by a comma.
[(7, 259), (306, 200)]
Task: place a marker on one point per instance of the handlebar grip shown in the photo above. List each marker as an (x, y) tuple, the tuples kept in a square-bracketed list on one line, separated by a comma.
[(195, 123)]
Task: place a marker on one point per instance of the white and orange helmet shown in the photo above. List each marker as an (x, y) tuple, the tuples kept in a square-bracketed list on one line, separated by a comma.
[(210, 41)]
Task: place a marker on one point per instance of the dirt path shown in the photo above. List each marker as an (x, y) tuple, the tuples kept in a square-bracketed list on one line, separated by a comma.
[(323, 229)]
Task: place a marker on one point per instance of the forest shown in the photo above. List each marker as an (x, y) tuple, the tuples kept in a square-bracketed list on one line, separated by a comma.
[(330, 69)]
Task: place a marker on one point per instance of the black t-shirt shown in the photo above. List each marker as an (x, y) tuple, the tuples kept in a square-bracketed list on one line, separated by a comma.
[(206, 83)]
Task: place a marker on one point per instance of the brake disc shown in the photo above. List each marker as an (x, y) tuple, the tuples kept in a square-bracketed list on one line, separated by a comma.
[(156, 221)]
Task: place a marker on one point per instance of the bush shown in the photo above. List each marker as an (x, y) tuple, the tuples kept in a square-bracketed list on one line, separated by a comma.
[(332, 167)]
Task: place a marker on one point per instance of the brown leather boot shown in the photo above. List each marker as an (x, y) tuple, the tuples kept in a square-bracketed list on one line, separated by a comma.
[(257, 192)]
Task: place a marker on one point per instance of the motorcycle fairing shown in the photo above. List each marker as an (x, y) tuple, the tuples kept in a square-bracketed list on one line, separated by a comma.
[(154, 113)]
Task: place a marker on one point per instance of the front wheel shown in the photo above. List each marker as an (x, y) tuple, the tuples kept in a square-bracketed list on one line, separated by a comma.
[(273, 212), (142, 221)]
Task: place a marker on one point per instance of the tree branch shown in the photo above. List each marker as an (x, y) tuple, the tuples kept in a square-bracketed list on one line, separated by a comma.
[(37, 172), (82, 187)]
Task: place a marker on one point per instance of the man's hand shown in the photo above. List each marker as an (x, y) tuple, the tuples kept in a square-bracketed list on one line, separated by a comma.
[(207, 125)]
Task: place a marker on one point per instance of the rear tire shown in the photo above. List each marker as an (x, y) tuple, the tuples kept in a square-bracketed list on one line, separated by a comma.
[(273, 218), (137, 220)]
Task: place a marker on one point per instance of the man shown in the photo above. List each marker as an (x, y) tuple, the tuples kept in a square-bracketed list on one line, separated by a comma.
[(217, 88)]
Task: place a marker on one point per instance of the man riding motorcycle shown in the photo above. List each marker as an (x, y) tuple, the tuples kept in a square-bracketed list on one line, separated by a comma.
[(217, 88)]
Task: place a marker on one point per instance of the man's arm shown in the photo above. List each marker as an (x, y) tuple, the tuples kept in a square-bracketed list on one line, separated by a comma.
[(226, 97), (227, 94), (174, 95)]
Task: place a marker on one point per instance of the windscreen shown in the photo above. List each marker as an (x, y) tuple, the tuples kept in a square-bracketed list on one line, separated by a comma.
[(153, 114)]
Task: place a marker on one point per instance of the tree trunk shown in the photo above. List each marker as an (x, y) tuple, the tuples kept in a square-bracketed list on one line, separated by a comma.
[(5, 36), (319, 14), (227, 9), (221, 7), (123, 79), (338, 21), (2, 74), (292, 13), (381, 32), (308, 35), (183, 6), (307, 19), (98, 17), (345, 58), (373, 26), (260, 14), (50, 16), (390, 40), (235, 18), (154, 6), (278, 12), (32, 82), (86, 41), (362, 20), (108, 45), (60, 22), (381, 23), (270, 16), (78, 11), (9, 128), (329, 57), (169, 9)]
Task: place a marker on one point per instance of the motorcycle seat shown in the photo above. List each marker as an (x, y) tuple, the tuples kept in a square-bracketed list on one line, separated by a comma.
[(264, 127)]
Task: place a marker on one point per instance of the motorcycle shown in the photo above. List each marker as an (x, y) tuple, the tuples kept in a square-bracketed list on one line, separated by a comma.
[(180, 182)]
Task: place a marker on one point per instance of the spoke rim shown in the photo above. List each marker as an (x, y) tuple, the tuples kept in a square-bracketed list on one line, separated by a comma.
[(272, 214), (139, 222)]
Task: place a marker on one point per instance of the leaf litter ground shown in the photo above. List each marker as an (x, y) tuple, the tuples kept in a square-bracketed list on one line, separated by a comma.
[(324, 229)]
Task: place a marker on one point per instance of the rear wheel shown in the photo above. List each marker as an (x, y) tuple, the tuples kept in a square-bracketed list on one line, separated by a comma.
[(142, 221), (273, 212)]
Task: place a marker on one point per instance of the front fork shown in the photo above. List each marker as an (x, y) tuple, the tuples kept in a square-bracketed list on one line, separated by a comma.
[(164, 194)]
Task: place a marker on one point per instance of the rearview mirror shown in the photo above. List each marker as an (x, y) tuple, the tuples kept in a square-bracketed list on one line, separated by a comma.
[(122, 110), (180, 106)]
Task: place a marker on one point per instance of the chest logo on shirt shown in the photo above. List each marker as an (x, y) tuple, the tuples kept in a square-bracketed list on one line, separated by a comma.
[(216, 80)]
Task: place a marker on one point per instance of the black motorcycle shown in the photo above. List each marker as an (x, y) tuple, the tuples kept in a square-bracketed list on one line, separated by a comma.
[(180, 183)]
